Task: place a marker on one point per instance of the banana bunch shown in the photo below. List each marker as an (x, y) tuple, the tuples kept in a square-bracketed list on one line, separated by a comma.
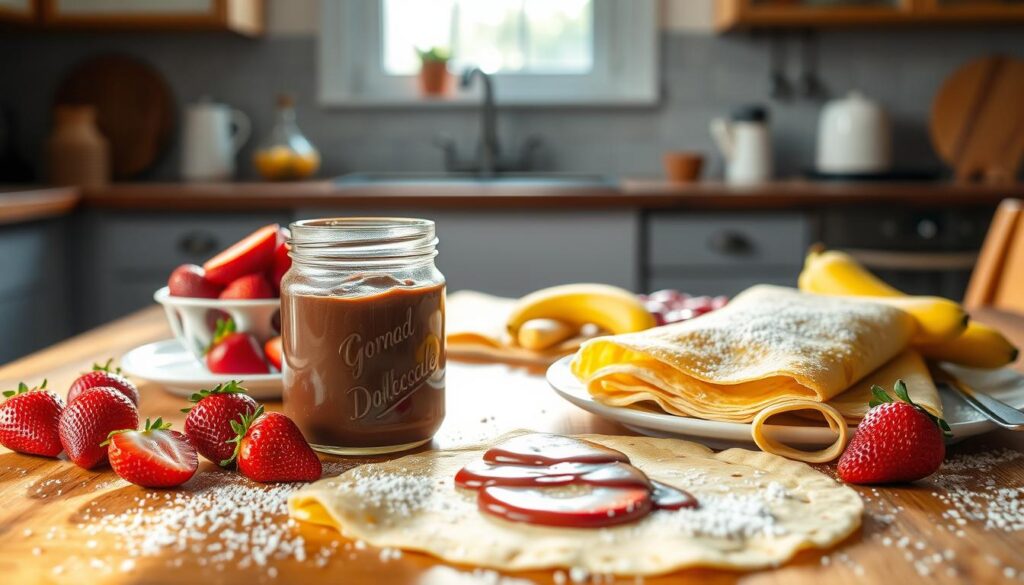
[(944, 332), (549, 316)]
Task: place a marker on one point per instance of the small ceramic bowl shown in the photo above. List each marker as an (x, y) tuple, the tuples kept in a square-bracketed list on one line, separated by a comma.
[(195, 320)]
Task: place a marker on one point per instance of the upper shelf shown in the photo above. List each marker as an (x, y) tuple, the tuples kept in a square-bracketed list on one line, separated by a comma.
[(747, 14)]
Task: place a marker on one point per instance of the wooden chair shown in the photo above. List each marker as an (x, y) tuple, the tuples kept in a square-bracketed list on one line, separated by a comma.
[(998, 277)]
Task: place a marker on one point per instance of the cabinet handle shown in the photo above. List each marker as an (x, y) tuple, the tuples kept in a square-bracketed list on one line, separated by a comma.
[(731, 243), (198, 243)]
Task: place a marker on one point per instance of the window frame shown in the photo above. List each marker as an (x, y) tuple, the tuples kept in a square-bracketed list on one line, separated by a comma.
[(625, 63)]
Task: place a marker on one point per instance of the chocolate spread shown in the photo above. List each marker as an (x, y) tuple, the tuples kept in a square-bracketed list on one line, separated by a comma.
[(364, 367)]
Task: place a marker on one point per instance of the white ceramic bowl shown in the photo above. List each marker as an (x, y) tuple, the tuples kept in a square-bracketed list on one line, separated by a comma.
[(193, 320)]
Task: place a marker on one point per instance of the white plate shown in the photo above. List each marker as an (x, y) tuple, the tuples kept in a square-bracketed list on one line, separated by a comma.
[(1004, 384), (168, 363)]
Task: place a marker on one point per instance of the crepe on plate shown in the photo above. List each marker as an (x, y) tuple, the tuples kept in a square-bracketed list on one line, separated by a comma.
[(771, 350), (756, 510)]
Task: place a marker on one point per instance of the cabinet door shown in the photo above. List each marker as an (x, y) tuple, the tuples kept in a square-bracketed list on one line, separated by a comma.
[(34, 299), (128, 256), (516, 252)]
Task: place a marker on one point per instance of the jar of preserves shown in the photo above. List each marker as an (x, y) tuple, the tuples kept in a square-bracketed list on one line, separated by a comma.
[(362, 325), (286, 154)]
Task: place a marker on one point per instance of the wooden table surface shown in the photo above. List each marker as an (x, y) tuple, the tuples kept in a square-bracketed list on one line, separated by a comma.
[(48, 506)]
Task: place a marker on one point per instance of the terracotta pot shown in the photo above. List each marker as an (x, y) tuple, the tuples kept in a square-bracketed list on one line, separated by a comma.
[(683, 167), (77, 154), (434, 78)]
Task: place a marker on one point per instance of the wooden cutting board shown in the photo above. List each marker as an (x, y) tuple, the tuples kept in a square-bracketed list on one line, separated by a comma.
[(134, 108), (977, 119)]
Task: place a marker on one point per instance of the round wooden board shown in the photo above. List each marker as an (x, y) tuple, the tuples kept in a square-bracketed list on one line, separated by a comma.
[(134, 108), (977, 123)]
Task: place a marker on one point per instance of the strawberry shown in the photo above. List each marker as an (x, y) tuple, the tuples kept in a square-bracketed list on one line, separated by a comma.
[(231, 352), (87, 421), (274, 351), (254, 253), (250, 286), (282, 261), (28, 421), (269, 447), (208, 424), (897, 441), (104, 376), (189, 280), (155, 457)]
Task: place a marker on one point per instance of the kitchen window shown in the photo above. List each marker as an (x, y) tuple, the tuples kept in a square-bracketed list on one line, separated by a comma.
[(540, 52)]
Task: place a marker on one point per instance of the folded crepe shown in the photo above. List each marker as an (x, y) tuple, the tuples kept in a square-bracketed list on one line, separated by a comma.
[(771, 350), (476, 326)]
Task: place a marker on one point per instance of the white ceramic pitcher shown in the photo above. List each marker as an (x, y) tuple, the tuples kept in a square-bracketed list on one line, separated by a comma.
[(213, 135), (746, 145)]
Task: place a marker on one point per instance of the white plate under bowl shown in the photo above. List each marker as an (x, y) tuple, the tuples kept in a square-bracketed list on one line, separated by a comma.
[(168, 363), (1004, 384)]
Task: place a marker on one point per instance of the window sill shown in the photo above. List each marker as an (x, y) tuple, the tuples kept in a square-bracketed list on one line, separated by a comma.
[(468, 101)]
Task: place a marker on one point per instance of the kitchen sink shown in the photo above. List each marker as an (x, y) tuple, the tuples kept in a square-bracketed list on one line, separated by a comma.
[(524, 180)]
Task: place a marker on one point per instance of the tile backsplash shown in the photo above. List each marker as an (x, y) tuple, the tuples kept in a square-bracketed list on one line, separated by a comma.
[(702, 76)]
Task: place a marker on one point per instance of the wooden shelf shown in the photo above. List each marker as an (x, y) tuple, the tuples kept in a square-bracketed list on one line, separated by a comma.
[(747, 14), (244, 17)]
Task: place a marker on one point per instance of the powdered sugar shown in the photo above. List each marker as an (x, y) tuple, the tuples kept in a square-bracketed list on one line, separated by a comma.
[(400, 494)]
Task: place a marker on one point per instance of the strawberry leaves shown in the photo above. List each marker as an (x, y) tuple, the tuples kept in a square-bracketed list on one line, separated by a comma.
[(232, 387), (224, 328), (23, 388), (106, 367), (241, 427), (880, 396), (156, 425)]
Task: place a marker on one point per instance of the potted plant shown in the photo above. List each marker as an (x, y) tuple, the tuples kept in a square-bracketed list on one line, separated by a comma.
[(433, 71)]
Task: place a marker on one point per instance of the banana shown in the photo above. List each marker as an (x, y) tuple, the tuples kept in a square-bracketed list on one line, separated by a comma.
[(609, 307), (836, 273), (980, 346), (938, 319), (540, 334)]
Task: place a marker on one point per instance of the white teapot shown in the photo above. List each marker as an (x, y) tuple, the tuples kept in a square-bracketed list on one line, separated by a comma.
[(213, 135), (746, 145)]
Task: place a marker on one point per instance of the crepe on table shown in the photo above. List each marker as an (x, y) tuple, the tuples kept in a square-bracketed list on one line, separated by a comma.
[(772, 350), (476, 326), (755, 510)]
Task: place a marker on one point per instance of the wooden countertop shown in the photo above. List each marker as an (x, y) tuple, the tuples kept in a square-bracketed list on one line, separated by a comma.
[(630, 193), (30, 203), (48, 505), (18, 206)]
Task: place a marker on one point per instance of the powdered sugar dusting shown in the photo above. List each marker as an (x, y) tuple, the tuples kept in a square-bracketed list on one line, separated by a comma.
[(400, 494)]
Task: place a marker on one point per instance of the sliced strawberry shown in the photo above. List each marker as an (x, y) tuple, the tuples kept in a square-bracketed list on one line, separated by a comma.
[(252, 254), (155, 457), (271, 448), (282, 261), (234, 353), (274, 351), (28, 421), (208, 424), (590, 507), (897, 441), (85, 424), (250, 286), (189, 280), (103, 375)]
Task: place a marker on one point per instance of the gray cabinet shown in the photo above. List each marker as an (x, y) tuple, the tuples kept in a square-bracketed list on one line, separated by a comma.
[(125, 257), (723, 253), (511, 253), (34, 287)]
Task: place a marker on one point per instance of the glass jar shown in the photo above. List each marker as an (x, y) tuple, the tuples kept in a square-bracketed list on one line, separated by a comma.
[(362, 325), (286, 154)]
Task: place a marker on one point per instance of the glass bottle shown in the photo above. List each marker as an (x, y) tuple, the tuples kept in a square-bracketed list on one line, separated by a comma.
[(286, 155)]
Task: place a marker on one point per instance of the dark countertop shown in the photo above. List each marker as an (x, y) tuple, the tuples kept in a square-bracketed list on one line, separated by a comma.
[(29, 203)]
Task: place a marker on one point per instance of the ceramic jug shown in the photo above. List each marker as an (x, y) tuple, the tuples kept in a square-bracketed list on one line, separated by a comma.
[(853, 136), (745, 143), (213, 135)]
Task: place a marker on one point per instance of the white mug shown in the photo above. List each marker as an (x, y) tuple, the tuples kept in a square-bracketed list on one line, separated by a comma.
[(747, 149), (213, 135)]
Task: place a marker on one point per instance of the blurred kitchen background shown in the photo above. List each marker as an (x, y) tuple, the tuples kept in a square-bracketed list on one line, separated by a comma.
[(700, 145)]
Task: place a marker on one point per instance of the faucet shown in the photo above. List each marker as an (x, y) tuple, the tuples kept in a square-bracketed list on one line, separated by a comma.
[(488, 120), (489, 161)]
